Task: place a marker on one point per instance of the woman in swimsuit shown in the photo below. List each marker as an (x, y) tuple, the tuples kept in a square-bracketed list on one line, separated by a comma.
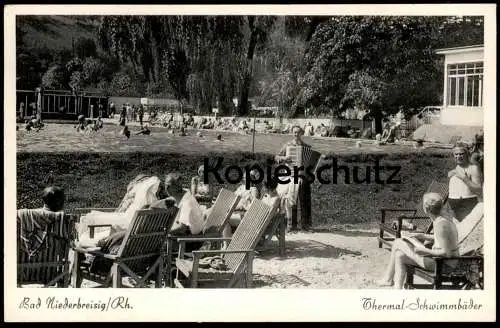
[(412, 250)]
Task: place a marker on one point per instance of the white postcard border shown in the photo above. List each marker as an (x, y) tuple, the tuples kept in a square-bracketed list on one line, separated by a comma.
[(250, 305)]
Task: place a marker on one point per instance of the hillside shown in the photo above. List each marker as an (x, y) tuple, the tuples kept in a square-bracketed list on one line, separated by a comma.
[(56, 32)]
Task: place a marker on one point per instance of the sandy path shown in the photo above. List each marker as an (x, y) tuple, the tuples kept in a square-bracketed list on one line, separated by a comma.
[(343, 260), (338, 260)]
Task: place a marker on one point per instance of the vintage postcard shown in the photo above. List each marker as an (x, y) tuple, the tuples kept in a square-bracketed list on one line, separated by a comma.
[(250, 163)]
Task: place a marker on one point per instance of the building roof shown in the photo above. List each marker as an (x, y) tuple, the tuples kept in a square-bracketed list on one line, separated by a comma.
[(445, 51)]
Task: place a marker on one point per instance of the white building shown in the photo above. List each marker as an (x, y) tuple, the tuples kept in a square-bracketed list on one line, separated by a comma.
[(463, 86)]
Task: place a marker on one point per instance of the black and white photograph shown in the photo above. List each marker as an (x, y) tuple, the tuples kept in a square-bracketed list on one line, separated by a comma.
[(272, 151)]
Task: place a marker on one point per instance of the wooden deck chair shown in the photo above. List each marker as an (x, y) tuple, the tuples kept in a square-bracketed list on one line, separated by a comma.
[(217, 219), (219, 216), (461, 272), (48, 265), (140, 255), (238, 256), (221, 211), (393, 221)]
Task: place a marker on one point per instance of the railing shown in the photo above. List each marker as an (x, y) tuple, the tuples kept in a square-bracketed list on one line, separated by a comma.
[(428, 113), (60, 103)]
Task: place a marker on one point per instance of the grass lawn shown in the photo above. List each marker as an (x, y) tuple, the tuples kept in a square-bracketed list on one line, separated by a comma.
[(100, 180), (95, 169)]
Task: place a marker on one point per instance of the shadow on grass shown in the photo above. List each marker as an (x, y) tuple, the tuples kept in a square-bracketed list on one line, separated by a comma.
[(296, 249)]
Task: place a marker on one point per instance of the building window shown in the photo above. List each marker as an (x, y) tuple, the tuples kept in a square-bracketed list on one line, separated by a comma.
[(465, 84)]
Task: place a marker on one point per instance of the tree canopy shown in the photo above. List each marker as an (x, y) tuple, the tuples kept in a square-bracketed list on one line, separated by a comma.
[(319, 63)]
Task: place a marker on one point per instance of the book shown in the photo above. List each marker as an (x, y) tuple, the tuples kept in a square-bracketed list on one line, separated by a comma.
[(412, 242)]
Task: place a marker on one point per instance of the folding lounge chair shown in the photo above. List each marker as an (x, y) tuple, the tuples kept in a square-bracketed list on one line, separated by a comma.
[(140, 255), (414, 219), (221, 211), (238, 256), (467, 270), (219, 216), (48, 264)]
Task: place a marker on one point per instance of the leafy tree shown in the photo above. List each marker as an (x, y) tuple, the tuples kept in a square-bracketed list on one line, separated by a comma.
[(177, 47), (457, 31), (85, 47), (92, 70), (76, 82), (53, 78), (259, 27), (283, 58), (356, 56)]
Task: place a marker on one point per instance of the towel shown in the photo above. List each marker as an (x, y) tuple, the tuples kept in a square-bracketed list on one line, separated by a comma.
[(143, 192), (140, 188), (214, 262), (34, 225)]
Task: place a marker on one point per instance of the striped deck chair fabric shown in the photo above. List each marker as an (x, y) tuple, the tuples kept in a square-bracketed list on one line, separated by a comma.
[(141, 252), (238, 256), (44, 239)]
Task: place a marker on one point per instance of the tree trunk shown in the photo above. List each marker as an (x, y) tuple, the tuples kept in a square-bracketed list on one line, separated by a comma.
[(377, 117), (243, 106), (155, 56)]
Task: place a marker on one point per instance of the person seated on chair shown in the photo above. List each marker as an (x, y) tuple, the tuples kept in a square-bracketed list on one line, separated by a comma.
[(411, 250), (246, 198), (189, 219), (203, 192), (142, 190), (111, 244), (466, 182), (271, 198), (31, 231)]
